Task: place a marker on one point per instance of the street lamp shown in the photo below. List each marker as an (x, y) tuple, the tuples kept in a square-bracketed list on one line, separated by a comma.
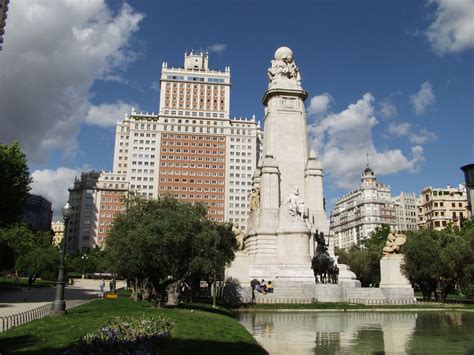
[(59, 305), (84, 258)]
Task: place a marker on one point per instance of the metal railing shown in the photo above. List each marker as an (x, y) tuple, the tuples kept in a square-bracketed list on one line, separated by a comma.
[(14, 320)]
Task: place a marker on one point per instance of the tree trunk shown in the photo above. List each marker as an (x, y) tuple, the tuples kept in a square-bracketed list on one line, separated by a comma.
[(173, 294)]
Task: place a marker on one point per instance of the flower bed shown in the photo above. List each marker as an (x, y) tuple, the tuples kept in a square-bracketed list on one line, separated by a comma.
[(125, 335)]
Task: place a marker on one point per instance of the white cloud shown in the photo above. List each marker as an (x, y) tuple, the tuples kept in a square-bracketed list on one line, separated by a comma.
[(423, 137), (388, 110), (54, 52), (399, 129), (54, 184), (423, 99), (453, 27), (217, 47), (343, 139), (107, 115), (320, 104)]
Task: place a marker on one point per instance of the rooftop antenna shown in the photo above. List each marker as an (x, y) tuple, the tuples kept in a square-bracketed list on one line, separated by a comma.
[(367, 155)]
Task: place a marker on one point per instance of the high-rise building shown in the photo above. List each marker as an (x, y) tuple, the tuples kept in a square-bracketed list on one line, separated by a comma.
[(3, 19), (359, 212), (97, 198), (192, 149), (37, 213), (406, 211), (439, 207)]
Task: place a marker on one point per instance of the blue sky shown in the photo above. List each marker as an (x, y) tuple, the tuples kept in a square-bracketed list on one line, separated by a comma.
[(391, 78)]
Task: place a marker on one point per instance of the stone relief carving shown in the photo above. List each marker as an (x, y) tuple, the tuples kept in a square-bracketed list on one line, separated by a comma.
[(296, 204), (393, 243)]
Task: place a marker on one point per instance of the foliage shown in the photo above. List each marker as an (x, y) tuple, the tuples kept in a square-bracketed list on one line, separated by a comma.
[(41, 261), (440, 260), (127, 335), (158, 243), (422, 260), (468, 291), (92, 261), (14, 183), (7, 256), (364, 260)]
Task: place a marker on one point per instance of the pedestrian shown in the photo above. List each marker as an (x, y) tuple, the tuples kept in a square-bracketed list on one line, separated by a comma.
[(102, 287), (270, 287), (30, 281)]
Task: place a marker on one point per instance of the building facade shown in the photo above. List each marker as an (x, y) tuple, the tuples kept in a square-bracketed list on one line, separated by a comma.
[(405, 211), (97, 198), (37, 213), (192, 149), (439, 207), (359, 212)]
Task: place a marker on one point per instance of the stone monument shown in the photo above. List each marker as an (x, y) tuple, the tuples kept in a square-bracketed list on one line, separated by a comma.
[(286, 200), (394, 285)]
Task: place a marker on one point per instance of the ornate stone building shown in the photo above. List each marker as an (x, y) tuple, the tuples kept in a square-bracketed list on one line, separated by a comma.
[(406, 211), (359, 212), (438, 207)]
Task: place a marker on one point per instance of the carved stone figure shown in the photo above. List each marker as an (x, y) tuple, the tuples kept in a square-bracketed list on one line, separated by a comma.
[(393, 243), (239, 235), (254, 198), (284, 66), (296, 204)]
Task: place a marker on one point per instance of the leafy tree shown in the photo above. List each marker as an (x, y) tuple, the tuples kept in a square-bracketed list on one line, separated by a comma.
[(14, 183), (18, 238), (157, 244), (41, 261), (364, 259), (422, 260)]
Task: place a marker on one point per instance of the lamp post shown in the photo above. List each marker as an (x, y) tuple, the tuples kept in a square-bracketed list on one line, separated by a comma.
[(84, 258), (59, 305)]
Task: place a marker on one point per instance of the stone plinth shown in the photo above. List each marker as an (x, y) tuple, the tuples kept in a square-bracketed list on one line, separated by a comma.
[(390, 272)]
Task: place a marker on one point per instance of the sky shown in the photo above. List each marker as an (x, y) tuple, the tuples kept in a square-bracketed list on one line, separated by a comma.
[(393, 80)]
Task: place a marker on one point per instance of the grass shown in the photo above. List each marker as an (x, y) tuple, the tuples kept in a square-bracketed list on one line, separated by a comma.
[(199, 329)]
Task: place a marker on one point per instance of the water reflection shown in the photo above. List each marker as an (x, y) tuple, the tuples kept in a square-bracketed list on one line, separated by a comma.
[(361, 332)]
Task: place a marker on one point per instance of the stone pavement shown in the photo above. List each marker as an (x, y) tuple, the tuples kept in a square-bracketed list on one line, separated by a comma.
[(24, 299)]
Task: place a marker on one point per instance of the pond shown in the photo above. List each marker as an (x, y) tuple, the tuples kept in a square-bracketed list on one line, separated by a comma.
[(339, 332)]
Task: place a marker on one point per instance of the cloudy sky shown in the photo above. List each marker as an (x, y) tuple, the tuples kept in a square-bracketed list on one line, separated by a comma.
[(391, 79)]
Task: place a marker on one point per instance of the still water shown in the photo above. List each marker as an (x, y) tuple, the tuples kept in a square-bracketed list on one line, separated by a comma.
[(362, 332)]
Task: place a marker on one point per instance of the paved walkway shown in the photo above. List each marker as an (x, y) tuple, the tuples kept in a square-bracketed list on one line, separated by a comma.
[(24, 299)]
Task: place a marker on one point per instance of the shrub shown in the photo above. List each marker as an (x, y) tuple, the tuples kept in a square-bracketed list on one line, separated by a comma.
[(124, 335), (469, 292)]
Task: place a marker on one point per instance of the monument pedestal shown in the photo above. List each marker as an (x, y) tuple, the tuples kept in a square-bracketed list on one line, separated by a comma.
[(394, 285), (390, 272)]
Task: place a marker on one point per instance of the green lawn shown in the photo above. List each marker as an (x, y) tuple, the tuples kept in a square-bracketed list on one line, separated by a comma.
[(199, 329)]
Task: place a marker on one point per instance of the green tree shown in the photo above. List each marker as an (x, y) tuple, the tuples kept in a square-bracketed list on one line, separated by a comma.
[(157, 244), (364, 259), (42, 261), (14, 183), (423, 263), (18, 238)]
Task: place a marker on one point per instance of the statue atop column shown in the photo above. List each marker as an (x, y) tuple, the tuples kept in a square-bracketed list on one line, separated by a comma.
[(284, 67)]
